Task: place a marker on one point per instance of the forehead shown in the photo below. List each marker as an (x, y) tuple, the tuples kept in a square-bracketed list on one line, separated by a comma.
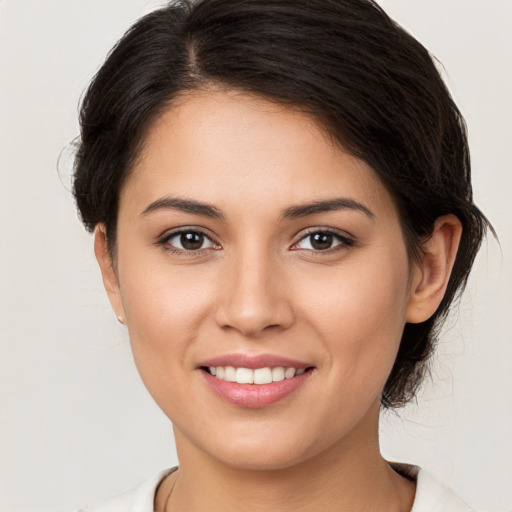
[(231, 147)]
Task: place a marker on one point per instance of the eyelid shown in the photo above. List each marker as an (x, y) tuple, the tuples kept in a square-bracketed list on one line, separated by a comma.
[(346, 239), (169, 234)]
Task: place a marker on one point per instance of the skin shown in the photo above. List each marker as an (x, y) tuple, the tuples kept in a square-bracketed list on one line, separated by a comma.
[(256, 286)]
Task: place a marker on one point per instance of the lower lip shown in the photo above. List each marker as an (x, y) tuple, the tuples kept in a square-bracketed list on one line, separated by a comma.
[(254, 396)]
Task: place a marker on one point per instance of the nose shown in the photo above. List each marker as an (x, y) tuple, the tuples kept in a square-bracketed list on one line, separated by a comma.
[(254, 296)]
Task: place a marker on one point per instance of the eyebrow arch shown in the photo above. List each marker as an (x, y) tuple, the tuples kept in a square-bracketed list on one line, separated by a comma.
[(329, 205), (184, 205)]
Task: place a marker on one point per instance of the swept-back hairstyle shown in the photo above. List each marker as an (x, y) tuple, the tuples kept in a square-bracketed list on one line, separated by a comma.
[(373, 88)]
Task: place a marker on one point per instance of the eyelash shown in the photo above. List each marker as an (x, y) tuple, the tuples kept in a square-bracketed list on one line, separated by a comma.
[(345, 241), (164, 242)]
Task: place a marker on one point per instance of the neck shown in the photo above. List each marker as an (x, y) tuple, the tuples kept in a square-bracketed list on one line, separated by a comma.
[(350, 476)]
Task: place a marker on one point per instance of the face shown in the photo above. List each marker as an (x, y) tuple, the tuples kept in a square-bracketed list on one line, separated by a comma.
[(251, 247)]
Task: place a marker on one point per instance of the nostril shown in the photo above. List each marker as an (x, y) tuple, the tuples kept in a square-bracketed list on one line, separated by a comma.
[(252, 310)]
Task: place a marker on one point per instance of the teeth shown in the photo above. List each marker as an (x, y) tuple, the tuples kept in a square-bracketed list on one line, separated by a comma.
[(263, 376), (259, 376), (244, 376), (277, 374), (289, 373), (230, 374)]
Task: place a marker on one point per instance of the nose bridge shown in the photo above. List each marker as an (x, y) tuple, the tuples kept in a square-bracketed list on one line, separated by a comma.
[(254, 297)]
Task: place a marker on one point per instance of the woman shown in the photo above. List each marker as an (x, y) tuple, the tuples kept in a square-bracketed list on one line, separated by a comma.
[(281, 201)]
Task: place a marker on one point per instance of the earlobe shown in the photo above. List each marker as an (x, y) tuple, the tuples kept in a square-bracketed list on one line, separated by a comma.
[(432, 274), (110, 280)]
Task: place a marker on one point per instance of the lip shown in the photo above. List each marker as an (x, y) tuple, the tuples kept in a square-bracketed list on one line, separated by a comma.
[(254, 361), (254, 396)]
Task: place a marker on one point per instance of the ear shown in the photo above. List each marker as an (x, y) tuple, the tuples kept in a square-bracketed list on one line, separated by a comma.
[(431, 275), (108, 273)]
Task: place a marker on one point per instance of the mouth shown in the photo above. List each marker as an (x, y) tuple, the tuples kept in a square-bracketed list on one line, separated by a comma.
[(255, 381), (256, 376)]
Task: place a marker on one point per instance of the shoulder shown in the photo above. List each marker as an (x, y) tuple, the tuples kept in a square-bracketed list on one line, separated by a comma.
[(431, 495), (140, 499)]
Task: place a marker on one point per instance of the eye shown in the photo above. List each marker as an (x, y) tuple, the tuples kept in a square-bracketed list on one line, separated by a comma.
[(188, 240), (322, 240)]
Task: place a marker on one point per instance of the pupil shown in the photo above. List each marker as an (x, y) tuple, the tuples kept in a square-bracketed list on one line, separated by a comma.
[(192, 241), (321, 241)]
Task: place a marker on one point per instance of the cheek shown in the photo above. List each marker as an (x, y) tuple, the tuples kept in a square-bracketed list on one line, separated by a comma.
[(359, 313), (165, 308)]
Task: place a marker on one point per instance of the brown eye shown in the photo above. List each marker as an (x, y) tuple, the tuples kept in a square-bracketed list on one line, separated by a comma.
[(191, 241), (187, 241), (323, 241)]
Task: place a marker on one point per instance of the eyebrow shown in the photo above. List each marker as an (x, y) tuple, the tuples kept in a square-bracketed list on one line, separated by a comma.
[(329, 205), (290, 213), (184, 205)]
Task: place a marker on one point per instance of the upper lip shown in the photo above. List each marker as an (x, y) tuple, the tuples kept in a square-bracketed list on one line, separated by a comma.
[(254, 361)]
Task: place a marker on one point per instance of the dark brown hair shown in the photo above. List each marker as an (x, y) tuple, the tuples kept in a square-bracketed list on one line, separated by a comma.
[(370, 84)]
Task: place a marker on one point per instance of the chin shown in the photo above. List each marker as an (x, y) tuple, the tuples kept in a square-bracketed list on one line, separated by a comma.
[(259, 460), (268, 452)]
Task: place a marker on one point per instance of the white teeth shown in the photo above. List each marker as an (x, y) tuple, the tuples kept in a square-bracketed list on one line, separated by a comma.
[(289, 373), (230, 374), (244, 376), (278, 374), (258, 376), (263, 376)]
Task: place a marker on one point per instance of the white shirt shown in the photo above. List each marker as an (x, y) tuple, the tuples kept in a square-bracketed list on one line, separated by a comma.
[(431, 496)]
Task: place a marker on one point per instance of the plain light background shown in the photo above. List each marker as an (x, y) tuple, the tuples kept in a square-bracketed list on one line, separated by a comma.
[(76, 424)]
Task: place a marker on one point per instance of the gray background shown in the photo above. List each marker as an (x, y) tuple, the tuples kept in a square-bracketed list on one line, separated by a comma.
[(76, 424)]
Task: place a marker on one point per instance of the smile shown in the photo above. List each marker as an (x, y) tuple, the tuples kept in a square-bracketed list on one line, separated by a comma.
[(256, 376), (255, 381)]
